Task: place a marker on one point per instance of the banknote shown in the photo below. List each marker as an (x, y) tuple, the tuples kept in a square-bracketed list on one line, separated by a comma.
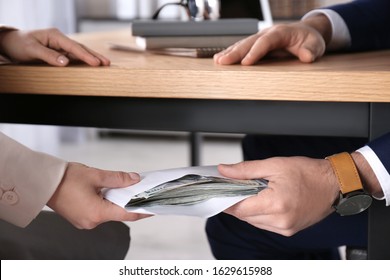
[(192, 189)]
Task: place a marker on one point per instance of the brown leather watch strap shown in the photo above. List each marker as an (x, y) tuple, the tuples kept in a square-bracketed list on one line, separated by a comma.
[(346, 172)]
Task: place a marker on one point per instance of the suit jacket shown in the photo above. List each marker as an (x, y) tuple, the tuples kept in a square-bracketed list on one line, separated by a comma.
[(368, 22), (27, 181)]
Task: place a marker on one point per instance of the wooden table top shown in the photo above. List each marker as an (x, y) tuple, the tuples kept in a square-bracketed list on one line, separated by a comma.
[(358, 77)]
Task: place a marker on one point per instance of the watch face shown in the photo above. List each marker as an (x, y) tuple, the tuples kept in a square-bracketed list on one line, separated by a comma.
[(353, 204)]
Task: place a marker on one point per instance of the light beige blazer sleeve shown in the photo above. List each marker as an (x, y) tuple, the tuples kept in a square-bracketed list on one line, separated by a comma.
[(3, 59), (27, 181)]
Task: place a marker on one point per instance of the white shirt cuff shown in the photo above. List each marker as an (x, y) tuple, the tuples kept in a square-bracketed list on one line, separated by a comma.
[(380, 171), (341, 38)]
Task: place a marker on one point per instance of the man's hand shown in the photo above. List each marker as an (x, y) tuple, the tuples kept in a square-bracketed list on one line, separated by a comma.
[(301, 193), (304, 39)]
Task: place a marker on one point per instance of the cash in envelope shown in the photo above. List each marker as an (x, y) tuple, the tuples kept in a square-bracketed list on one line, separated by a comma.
[(192, 189)]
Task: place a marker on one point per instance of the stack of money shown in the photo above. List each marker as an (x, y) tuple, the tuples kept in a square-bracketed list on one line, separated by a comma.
[(192, 189)]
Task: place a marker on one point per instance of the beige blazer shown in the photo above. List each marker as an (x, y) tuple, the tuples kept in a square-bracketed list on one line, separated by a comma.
[(27, 181)]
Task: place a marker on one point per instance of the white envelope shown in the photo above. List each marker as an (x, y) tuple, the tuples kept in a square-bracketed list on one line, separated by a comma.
[(151, 179)]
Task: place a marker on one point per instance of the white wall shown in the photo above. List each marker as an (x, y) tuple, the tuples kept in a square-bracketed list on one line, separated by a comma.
[(32, 14)]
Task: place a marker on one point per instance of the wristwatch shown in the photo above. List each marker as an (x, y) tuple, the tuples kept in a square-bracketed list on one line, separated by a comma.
[(353, 199)]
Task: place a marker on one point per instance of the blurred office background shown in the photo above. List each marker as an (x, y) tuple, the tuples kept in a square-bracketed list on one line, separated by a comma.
[(158, 237)]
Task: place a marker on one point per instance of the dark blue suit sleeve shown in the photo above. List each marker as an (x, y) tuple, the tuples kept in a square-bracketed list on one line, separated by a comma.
[(381, 147), (368, 22)]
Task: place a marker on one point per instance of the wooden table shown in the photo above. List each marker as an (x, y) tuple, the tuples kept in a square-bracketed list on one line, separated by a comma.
[(340, 95)]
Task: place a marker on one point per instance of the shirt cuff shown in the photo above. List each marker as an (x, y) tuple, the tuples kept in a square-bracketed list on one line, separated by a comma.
[(341, 38), (380, 171)]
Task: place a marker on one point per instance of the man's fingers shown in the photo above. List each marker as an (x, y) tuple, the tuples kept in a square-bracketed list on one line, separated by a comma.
[(243, 170), (260, 204), (237, 52)]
